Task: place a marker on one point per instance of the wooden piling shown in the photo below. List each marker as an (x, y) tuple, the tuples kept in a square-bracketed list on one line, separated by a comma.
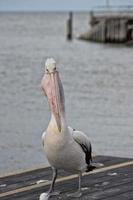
[(70, 26)]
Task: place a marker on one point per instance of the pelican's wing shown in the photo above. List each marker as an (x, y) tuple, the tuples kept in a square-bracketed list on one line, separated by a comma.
[(84, 142), (43, 137)]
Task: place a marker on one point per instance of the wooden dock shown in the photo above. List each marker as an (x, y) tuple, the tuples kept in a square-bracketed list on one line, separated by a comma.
[(110, 27), (113, 181)]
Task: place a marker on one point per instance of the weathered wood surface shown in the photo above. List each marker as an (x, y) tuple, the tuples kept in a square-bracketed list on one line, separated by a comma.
[(112, 181)]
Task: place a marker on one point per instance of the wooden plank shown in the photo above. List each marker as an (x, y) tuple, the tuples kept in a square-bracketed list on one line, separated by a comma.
[(26, 190), (116, 189), (123, 196), (29, 178), (68, 186), (111, 186)]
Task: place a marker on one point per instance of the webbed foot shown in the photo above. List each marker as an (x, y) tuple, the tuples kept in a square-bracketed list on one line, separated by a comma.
[(45, 196)]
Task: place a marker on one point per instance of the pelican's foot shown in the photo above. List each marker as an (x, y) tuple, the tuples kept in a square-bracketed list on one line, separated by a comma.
[(45, 196), (75, 194)]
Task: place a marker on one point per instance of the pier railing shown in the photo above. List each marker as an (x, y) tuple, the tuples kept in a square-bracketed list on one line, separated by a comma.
[(112, 13)]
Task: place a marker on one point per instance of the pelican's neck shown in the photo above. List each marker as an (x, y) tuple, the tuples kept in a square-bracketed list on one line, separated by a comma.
[(61, 108), (53, 125)]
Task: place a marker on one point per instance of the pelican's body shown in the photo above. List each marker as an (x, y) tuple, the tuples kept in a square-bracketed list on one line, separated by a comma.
[(62, 151), (65, 148)]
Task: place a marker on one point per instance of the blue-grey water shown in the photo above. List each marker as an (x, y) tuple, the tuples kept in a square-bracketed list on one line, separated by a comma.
[(97, 79)]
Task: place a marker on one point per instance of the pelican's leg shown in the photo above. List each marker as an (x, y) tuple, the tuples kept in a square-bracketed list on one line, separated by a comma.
[(51, 192), (51, 189), (78, 193), (80, 176)]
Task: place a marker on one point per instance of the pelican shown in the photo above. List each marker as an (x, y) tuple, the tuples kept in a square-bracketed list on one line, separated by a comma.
[(65, 147)]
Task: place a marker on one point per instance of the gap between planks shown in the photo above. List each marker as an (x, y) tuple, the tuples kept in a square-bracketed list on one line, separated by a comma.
[(70, 177)]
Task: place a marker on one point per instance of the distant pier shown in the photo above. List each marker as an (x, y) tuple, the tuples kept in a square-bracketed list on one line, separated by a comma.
[(113, 181), (110, 27)]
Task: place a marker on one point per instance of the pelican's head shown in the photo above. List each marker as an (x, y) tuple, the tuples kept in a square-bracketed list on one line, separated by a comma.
[(52, 86), (50, 65)]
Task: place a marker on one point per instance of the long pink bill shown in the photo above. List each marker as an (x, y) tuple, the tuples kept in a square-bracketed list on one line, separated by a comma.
[(50, 85)]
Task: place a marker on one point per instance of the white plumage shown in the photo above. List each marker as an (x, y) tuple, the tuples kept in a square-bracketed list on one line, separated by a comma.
[(65, 148)]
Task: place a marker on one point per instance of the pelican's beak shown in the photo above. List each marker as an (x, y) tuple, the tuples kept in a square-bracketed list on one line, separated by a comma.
[(50, 85)]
